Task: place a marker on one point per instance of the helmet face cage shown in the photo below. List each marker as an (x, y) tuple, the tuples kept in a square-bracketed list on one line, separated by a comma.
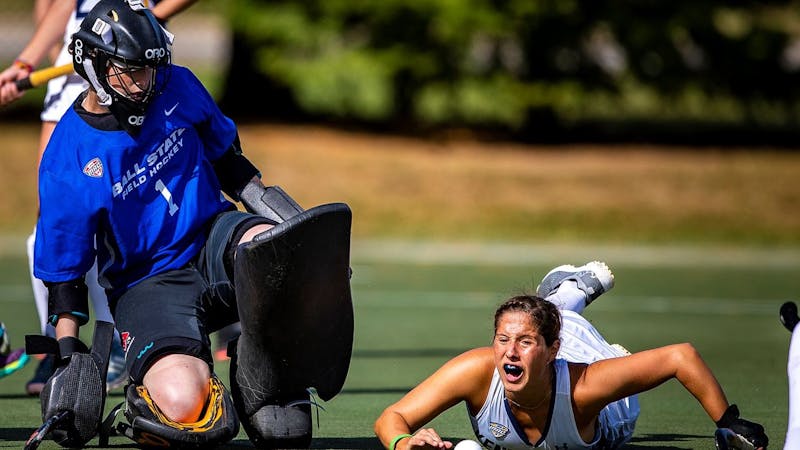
[(119, 49), (137, 84)]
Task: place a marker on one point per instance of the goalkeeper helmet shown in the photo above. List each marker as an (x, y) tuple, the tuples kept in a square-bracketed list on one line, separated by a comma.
[(119, 49)]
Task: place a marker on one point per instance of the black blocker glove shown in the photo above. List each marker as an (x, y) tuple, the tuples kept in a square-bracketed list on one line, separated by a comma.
[(74, 397), (752, 432)]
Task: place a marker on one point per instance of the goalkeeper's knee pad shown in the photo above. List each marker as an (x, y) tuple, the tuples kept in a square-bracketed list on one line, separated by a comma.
[(150, 427)]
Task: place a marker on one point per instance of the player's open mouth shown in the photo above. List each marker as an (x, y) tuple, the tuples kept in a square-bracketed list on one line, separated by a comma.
[(513, 372)]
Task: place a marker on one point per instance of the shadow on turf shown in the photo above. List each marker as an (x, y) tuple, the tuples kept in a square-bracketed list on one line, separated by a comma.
[(408, 353), (649, 439), (18, 396), (16, 434), (363, 443), (345, 443)]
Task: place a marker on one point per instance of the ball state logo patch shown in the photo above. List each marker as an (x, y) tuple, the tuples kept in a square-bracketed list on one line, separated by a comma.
[(94, 168), (499, 431)]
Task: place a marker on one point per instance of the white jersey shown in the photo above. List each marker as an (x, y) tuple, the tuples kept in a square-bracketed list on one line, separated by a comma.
[(63, 90), (496, 427)]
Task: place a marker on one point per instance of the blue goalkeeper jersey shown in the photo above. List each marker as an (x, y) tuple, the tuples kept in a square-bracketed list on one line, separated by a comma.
[(141, 205)]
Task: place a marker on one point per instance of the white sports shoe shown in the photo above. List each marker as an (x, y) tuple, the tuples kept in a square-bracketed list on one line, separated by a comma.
[(593, 278)]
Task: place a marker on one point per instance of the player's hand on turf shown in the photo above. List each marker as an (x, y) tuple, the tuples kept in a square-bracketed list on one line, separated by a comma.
[(752, 431), (427, 438)]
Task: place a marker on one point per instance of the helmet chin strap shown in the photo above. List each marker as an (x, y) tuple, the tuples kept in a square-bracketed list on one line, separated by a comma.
[(102, 95)]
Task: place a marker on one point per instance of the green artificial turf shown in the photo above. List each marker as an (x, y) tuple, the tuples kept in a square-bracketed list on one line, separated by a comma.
[(412, 316)]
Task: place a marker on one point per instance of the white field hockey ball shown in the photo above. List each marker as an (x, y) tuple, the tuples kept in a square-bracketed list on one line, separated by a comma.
[(468, 445)]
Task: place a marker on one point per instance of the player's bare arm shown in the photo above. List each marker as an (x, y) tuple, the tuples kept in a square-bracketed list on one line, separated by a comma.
[(67, 326), (613, 379), (165, 9), (463, 378), (49, 33)]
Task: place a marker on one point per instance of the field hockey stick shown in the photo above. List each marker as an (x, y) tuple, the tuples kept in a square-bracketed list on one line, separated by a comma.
[(37, 436), (40, 77)]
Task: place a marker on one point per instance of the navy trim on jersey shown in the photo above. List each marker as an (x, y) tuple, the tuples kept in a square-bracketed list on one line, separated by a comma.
[(102, 121)]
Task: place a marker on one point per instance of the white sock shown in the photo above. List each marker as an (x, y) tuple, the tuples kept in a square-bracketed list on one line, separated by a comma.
[(98, 296), (568, 297), (793, 371), (96, 293), (40, 296)]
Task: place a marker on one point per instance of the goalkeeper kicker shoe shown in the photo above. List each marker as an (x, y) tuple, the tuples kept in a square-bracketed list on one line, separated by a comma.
[(593, 278), (788, 315), (13, 361)]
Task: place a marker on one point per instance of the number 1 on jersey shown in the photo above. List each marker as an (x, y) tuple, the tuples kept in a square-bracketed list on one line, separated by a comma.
[(173, 208)]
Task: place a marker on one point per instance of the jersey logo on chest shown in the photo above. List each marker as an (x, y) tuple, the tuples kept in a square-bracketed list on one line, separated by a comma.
[(94, 168), (498, 430)]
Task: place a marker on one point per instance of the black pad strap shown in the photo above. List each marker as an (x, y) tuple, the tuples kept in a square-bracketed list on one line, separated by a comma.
[(36, 344), (69, 345), (101, 345)]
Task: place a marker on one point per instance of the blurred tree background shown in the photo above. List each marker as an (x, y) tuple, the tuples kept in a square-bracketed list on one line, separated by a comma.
[(540, 70), (699, 72)]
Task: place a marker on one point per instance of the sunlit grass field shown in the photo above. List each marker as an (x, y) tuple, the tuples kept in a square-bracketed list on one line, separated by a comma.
[(419, 303)]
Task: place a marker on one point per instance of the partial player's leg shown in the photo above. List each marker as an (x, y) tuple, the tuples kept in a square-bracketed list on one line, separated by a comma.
[(46, 366), (581, 342), (573, 288), (789, 318), (173, 393), (11, 360)]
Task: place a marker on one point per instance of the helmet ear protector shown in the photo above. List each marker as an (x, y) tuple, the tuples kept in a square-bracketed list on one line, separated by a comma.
[(120, 49)]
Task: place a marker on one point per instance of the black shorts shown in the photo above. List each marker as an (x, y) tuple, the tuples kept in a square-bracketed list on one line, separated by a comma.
[(175, 311)]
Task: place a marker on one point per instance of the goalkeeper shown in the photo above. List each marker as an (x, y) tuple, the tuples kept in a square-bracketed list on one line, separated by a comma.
[(138, 165)]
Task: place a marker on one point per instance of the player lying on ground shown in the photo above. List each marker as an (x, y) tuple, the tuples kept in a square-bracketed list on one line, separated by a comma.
[(139, 165), (550, 380)]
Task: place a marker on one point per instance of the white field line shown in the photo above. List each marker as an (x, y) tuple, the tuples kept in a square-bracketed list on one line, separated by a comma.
[(376, 298), (510, 254), (421, 299), (513, 254)]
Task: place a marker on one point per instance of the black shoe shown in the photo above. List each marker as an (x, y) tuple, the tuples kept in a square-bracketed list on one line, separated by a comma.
[(44, 371), (788, 315)]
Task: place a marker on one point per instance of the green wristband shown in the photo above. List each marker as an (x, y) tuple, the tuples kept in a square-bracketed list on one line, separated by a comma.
[(397, 439)]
